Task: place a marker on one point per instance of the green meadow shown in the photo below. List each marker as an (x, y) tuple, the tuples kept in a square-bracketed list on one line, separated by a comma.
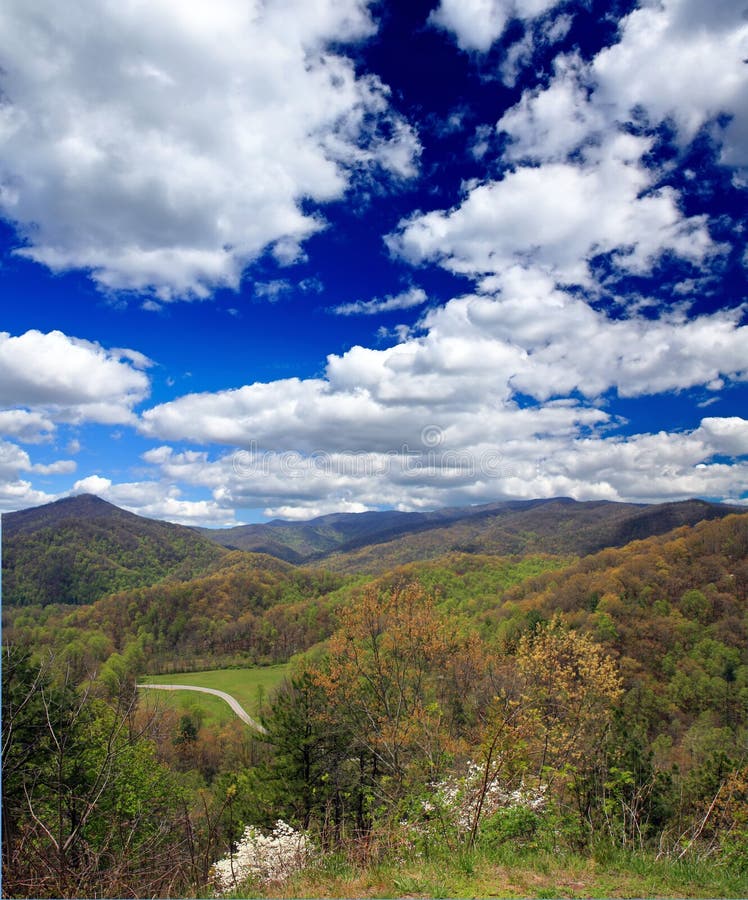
[(250, 687)]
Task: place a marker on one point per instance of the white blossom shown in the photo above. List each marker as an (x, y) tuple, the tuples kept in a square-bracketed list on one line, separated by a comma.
[(458, 798), (263, 857)]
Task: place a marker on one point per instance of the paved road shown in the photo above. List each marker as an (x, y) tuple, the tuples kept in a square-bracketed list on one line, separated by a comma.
[(232, 701)]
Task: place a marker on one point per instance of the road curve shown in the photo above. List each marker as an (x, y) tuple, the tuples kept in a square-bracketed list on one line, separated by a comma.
[(232, 701)]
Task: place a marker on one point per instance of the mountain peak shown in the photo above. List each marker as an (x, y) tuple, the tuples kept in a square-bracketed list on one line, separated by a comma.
[(85, 506), (80, 548)]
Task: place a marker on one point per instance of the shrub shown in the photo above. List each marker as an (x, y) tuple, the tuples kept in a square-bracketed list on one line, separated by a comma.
[(263, 858)]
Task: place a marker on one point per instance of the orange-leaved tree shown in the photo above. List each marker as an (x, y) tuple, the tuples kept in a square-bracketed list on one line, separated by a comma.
[(406, 679), (568, 689)]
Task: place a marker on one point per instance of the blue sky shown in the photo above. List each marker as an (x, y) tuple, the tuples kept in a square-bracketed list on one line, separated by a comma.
[(284, 258)]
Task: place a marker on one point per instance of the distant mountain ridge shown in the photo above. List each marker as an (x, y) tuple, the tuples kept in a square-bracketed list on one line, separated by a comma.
[(374, 541), (314, 539), (81, 548)]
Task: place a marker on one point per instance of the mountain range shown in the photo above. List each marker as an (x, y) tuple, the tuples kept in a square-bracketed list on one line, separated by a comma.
[(81, 548), (373, 542)]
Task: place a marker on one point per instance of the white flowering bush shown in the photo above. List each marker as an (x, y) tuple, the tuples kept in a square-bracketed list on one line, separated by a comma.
[(455, 801), (263, 857)]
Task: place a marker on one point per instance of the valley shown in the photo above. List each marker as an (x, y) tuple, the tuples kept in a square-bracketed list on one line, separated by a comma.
[(553, 691), (250, 687)]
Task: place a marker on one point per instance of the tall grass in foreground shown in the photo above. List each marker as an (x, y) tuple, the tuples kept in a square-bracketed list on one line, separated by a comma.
[(509, 871)]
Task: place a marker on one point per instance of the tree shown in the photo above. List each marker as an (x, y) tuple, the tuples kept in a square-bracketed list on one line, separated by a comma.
[(317, 772), (567, 693), (86, 806), (404, 679)]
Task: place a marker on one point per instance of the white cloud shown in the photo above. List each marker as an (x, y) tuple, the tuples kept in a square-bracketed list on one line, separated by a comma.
[(297, 513), (702, 46), (557, 217), (60, 467), (164, 146), (570, 347), (16, 492), (272, 290), (477, 353), (26, 426), (13, 460), (64, 378), (92, 484), (549, 123), (642, 468), (47, 379), (476, 24), (579, 183), (156, 500), (728, 436), (19, 494), (439, 419), (681, 60), (406, 300)]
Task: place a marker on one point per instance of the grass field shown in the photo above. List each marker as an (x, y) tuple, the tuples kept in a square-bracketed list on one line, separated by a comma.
[(505, 873), (250, 687)]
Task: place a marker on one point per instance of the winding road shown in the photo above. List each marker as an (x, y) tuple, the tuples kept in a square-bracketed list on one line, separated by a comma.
[(232, 701)]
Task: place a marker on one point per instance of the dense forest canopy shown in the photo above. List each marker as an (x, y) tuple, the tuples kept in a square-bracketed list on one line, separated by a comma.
[(82, 548), (545, 703)]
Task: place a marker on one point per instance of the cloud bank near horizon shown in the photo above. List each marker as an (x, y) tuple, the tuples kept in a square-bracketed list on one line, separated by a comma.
[(510, 388)]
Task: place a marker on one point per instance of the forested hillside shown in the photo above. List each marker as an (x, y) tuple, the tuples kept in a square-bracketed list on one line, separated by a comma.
[(376, 541), (252, 607), (559, 526), (82, 548), (455, 712)]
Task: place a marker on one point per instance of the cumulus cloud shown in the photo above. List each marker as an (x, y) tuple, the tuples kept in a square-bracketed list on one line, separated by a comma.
[(17, 492), (67, 379), (48, 379), (301, 513), (476, 24), (727, 435), (156, 500), (642, 468), (548, 123), (504, 392), (478, 353), (21, 494), (406, 300), (702, 45), (26, 426), (578, 183), (570, 347), (558, 216), (163, 147), (14, 460), (444, 418)]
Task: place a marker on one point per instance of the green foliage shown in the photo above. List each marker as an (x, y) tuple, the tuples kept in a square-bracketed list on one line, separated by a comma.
[(672, 610), (517, 824), (87, 807), (617, 683), (81, 549), (253, 607), (316, 771)]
